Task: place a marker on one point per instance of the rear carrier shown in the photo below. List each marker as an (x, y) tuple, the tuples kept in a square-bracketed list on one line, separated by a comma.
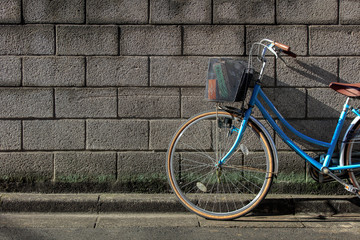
[(227, 80)]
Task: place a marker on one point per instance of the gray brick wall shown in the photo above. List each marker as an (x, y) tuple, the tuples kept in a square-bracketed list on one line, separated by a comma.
[(92, 91)]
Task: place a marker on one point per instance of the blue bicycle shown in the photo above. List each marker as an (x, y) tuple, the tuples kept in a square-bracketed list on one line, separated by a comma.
[(221, 163)]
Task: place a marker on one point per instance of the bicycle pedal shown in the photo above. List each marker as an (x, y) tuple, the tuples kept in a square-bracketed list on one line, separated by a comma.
[(352, 189)]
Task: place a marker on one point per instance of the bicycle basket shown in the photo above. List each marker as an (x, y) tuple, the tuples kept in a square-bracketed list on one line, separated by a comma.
[(227, 80)]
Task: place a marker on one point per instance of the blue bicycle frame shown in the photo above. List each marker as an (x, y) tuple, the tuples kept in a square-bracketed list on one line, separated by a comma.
[(254, 101)]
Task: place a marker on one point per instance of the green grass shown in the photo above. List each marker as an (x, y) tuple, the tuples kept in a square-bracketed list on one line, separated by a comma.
[(150, 183)]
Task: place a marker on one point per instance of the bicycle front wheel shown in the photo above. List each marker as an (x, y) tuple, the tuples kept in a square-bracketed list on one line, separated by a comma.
[(211, 191)]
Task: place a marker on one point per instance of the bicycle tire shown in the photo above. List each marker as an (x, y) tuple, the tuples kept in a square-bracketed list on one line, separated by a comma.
[(223, 193), (352, 153)]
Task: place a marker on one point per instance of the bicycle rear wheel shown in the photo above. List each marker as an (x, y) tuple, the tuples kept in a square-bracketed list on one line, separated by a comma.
[(352, 153), (225, 192)]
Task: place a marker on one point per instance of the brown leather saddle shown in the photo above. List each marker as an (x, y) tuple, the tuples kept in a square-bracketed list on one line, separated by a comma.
[(350, 90)]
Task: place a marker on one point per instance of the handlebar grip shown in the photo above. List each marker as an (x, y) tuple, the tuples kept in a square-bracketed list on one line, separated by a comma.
[(282, 46)]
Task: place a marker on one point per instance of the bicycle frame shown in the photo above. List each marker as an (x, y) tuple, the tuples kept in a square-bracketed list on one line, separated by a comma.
[(254, 101)]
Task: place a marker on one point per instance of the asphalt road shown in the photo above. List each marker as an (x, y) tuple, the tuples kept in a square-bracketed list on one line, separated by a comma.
[(175, 226)]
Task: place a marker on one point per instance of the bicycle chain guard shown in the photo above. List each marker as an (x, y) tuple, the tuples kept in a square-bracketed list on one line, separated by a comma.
[(324, 178)]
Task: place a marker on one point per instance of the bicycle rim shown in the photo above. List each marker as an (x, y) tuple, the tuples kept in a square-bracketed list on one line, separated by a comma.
[(207, 190)]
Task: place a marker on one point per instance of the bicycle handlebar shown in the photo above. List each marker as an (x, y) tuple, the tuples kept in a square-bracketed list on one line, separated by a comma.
[(274, 47), (284, 47)]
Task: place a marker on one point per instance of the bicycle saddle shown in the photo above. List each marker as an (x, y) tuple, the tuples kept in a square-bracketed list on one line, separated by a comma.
[(347, 89)]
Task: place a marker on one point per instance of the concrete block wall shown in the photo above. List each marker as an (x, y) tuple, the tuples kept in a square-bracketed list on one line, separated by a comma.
[(92, 91)]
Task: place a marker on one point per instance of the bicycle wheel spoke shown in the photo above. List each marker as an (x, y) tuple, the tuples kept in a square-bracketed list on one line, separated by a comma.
[(231, 194), (211, 190), (222, 186), (243, 186), (196, 162), (196, 179), (239, 191), (203, 153), (250, 169)]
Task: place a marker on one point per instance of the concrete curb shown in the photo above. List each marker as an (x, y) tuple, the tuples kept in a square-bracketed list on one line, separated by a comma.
[(147, 203)]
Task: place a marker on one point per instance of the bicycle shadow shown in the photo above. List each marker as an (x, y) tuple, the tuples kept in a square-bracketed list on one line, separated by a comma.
[(303, 97), (313, 72)]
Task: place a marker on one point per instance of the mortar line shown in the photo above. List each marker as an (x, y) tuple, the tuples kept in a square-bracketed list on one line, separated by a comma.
[(149, 71), (308, 40), (21, 71), (306, 103), (244, 40), (85, 16), (338, 12), (149, 12), (85, 69), (54, 102), (275, 12), (116, 167), (148, 125), (168, 55), (182, 30), (103, 86), (22, 18), (142, 119), (117, 103), (55, 42), (119, 39), (85, 135), (22, 135), (54, 168), (212, 12), (85, 151), (180, 99), (338, 70)]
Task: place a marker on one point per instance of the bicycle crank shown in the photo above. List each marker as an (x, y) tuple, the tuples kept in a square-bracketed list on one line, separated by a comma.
[(348, 187)]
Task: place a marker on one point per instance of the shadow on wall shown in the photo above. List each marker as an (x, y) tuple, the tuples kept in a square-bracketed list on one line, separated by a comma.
[(304, 98), (312, 72)]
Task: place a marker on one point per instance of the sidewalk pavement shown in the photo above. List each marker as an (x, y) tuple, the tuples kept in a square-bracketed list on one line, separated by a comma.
[(320, 205), (166, 220), (68, 226)]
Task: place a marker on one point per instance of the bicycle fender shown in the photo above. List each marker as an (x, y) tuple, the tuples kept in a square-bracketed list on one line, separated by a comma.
[(343, 142), (271, 141)]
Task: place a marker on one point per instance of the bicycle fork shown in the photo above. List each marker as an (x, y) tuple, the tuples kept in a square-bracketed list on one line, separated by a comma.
[(241, 130)]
